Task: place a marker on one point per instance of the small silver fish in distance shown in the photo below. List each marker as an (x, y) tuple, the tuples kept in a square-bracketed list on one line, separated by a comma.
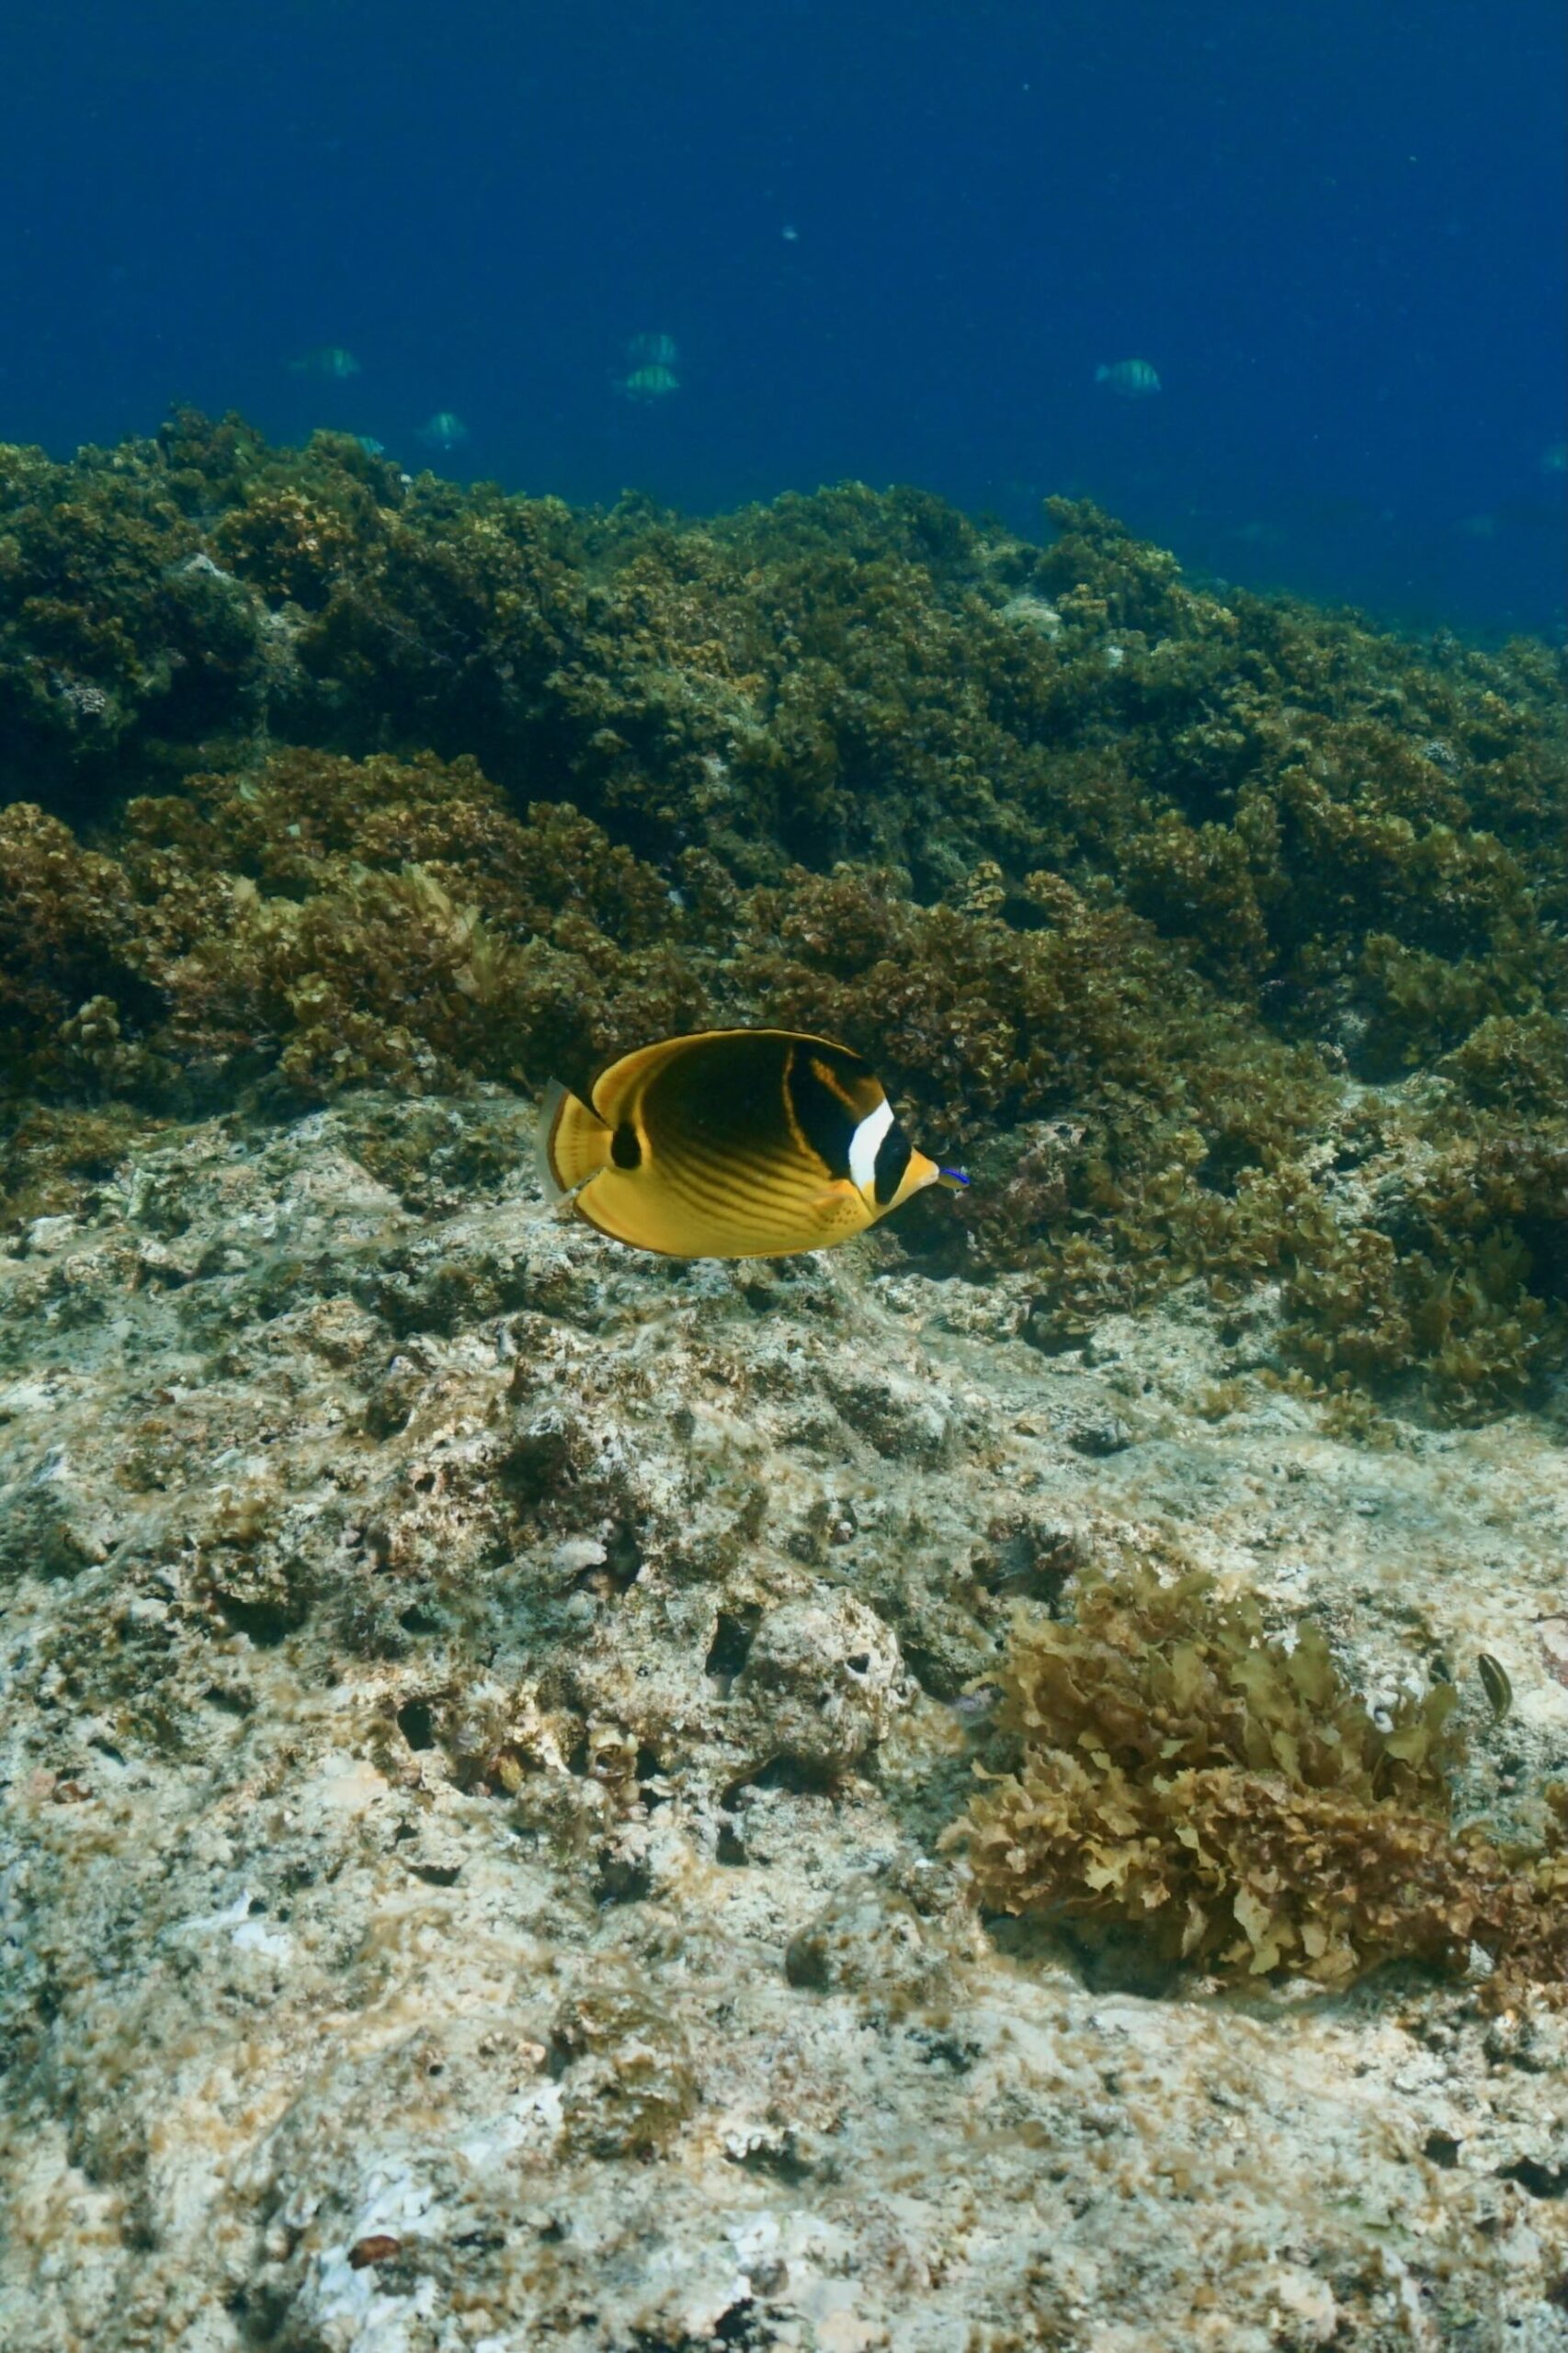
[(1134, 380), (443, 431), (1495, 1684), (732, 1143), (651, 372), (329, 360), (650, 383)]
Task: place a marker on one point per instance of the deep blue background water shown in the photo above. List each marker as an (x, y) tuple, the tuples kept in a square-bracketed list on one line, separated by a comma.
[(1336, 229)]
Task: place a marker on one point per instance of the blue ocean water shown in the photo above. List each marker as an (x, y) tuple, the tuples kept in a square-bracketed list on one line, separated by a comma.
[(895, 241)]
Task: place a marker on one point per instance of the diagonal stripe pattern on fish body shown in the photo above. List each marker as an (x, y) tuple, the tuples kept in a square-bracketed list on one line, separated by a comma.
[(732, 1144)]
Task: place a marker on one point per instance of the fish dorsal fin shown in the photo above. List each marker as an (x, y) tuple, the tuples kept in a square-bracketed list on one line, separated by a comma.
[(615, 1088)]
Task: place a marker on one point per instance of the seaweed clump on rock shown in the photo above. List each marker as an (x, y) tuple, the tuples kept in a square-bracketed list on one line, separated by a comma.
[(320, 924), (1223, 1797)]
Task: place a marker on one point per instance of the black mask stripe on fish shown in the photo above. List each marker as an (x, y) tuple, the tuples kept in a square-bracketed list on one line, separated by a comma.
[(894, 1155)]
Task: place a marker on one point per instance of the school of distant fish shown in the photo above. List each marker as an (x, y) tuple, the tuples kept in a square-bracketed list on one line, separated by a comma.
[(732, 1143), (648, 373)]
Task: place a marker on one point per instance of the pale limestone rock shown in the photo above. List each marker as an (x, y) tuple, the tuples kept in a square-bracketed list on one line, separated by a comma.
[(480, 1711)]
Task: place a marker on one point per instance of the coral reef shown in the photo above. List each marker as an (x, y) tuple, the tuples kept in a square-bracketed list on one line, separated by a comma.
[(325, 776), (481, 1712), (1228, 1798), (488, 1714)]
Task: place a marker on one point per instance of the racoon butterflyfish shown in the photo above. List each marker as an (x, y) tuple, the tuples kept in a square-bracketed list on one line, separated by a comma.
[(733, 1144)]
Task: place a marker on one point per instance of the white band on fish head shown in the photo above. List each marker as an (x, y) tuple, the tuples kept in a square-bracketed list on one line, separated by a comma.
[(865, 1144)]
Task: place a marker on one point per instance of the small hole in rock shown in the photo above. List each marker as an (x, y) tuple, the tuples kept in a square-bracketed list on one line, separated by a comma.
[(1541, 2181), (795, 1775), (728, 1650), (414, 1722)]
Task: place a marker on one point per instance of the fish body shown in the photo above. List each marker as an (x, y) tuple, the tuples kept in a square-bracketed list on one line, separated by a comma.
[(1134, 380), (651, 381), (1495, 1684), (443, 431), (652, 351), (330, 360), (732, 1143)]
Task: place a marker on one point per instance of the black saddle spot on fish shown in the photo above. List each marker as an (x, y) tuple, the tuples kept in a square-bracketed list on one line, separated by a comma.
[(824, 1119), (624, 1148), (892, 1159)]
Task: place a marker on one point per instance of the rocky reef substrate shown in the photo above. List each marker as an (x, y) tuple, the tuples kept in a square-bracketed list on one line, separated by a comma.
[(482, 1711), (943, 1797), (320, 777)]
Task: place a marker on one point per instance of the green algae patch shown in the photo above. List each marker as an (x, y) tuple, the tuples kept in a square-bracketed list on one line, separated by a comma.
[(1223, 936), (1224, 1798)]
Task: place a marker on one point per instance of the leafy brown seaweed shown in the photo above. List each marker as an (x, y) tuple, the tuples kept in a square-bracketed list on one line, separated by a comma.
[(1225, 1796)]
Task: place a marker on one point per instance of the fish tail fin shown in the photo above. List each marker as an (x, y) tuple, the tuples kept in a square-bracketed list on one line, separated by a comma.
[(574, 1141)]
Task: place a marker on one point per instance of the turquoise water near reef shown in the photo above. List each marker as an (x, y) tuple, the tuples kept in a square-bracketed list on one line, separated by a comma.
[(711, 252)]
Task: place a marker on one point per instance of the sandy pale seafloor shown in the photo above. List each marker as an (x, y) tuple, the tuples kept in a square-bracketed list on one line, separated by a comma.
[(480, 1709)]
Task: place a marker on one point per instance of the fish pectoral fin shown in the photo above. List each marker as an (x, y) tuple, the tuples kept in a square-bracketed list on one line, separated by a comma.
[(829, 1207)]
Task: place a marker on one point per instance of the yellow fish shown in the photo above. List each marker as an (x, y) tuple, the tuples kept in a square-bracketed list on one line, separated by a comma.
[(733, 1144)]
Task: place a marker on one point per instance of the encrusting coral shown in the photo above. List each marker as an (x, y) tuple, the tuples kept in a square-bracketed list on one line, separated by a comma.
[(1225, 1796), (325, 777)]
